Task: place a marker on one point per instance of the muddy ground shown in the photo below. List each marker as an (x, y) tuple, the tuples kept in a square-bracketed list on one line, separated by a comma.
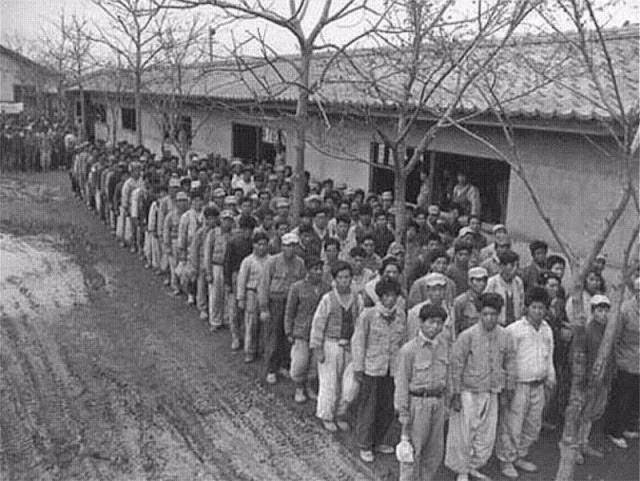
[(103, 376)]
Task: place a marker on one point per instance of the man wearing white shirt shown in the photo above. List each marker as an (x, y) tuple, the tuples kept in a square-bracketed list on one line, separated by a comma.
[(509, 286), (521, 416)]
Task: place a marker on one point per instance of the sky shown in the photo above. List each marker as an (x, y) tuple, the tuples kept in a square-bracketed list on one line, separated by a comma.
[(27, 19)]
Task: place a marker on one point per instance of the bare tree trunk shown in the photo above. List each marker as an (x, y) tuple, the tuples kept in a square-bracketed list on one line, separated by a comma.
[(301, 119), (400, 193), (138, 106)]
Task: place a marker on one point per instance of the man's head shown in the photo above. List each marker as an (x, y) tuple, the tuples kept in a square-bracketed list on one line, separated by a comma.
[(594, 282), (475, 224), (245, 206), (491, 305), (436, 285), (332, 249), (380, 219), (260, 244), (365, 214), (508, 265), (478, 278), (539, 251), (431, 320), (551, 282), (600, 306), (320, 218), (342, 274), (210, 214), (182, 201), (314, 267), (369, 244), (289, 243), (433, 214), (357, 255), (437, 260), (247, 224), (557, 265), (226, 220), (462, 250), (342, 225), (388, 291), (390, 268), (502, 245), (537, 302), (461, 176)]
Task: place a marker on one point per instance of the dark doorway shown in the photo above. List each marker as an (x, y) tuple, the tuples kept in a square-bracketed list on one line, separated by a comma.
[(245, 139), (382, 176), (490, 176)]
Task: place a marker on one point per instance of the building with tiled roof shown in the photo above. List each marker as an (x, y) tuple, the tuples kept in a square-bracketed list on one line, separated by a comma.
[(562, 129)]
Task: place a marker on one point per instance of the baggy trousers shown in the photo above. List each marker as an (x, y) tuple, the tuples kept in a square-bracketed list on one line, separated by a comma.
[(304, 365), (334, 375), (375, 411), (276, 347), (217, 295), (251, 324), (622, 413)]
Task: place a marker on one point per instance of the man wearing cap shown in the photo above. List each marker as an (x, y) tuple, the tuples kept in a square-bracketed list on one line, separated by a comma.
[(492, 262), (534, 376), (435, 286), (509, 286), (499, 234), (128, 188), (584, 348), (458, 270), (420, 387), (465, 196), (466, 307), (363, 226), (436, 262), (196, 259), (302, 301), (382, 235), (190, 222), (170, 239), (244, 182), (249, 276), (215, 251), (481, 369), (622, 413), (530, 274), (280, 273)]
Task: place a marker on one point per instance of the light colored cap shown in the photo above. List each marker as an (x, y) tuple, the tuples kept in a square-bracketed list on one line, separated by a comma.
[(195, 184), (230, 199), (599, 299), (219, 192), (313, 197), (236, 162), (342, 186), (602, 256), (226, 214), (636, 284), (282, 203), (387, 195), (182, 196), (278, 168), (435, 279), (174, 182), (478, 273), (272, 177), (290, 238), (498, 227), (465, 230), (433, 209)]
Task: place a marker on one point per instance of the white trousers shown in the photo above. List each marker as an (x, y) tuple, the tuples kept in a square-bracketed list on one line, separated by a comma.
[(335, 381)]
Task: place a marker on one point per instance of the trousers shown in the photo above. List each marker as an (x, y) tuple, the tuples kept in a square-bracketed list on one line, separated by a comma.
[(334, 376), (520, 423), (251, 324), (472, 432), (276, 347), (375, 411), (303, 362), (622, 413), (217, 296)]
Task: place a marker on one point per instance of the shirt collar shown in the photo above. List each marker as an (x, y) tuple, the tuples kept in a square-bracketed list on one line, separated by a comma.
[(424, 340)]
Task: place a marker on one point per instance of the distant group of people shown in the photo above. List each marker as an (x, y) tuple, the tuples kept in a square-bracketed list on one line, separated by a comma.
[(439, 326), (28, 144)]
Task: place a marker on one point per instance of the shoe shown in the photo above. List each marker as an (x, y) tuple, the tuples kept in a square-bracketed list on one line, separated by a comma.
[(248, 359), (343, 425), (271, 378), (300, 397), (631, 434), (462, 477), (311, 394), (284, 373), (204, 316), (620, 442), (526, 466), (330, 426), (474, 473), (367, 455), (579, 458), (385, 449), (235, 345), (592, 452), (509, 470), (191, 300)]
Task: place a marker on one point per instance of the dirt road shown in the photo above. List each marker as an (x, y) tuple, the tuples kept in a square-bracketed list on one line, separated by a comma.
[(103, 376)]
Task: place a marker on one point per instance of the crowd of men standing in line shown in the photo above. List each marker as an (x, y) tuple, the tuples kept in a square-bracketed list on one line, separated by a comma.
[(443, 326), (28, 144)]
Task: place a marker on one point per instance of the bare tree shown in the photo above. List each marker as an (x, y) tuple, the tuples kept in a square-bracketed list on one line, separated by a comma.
[(307, 21), (133, 31)]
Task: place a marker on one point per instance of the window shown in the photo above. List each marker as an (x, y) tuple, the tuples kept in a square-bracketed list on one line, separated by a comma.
[(24, 93), (100, 113), (128, 119)]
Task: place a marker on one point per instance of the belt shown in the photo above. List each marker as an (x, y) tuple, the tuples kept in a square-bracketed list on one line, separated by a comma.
[(341, 342), (435, 393), (534, 383)]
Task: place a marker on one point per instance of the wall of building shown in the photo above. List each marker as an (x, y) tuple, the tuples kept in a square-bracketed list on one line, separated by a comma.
[(14, 72)]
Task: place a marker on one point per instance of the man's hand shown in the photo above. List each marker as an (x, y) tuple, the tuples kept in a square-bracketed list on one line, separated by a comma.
[(456, 403), (359, 376), (290, 339), (265, 316), (319, 354), (505, 397)]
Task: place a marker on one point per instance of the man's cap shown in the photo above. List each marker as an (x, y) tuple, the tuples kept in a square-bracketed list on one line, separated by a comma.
[(282, 203), (235, 162), (195, 184), (478, 273), (289, 239), (312, 261), (396, 248), (602, 256), (230, 199), (387, 195), (226, 214), (465, 230), (435, 279), (182, 196), (219, 192), (278, 168), (599, 300), (499, 227), (272, 177), (433, 210), (174, 182), (342, 186), (636, 284), (247, 168), (313, 197)]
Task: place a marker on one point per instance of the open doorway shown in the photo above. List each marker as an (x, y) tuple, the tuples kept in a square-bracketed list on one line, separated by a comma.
[(382, 176), (252, 143), (489, 175)]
